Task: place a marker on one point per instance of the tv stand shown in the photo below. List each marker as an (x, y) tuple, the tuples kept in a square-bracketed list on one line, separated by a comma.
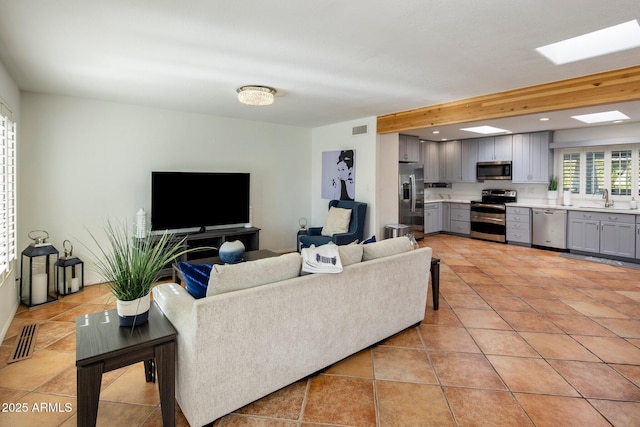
[(250, 237)]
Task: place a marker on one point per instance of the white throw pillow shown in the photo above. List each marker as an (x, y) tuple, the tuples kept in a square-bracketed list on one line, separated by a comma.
[(337, 221), (386, 247)]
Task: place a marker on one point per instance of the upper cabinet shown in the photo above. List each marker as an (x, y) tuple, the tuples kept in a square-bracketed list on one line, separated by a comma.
[(431, 161), (531, 157), (458, 160), (409, 148), (469, 159), (495, 148)]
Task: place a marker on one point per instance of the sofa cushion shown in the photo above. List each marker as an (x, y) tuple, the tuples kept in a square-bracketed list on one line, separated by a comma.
[(233, 277), (350, 254), (337, 221), (386, 248), (196, 277)]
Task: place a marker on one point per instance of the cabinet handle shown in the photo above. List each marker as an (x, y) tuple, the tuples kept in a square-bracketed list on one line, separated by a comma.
[(615, 218)]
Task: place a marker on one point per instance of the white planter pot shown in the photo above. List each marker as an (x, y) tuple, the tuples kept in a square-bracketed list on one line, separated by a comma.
[(133, 313), (552, 197)]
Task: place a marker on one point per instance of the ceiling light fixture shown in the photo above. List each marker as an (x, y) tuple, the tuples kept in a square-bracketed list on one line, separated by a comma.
[(602, 42), (485, 130), (256, 95), (605, 116)]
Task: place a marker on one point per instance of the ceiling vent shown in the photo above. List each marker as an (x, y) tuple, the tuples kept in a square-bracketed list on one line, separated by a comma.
[(359, 130)]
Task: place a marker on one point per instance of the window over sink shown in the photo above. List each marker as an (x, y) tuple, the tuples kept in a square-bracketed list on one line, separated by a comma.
[(587, 171)]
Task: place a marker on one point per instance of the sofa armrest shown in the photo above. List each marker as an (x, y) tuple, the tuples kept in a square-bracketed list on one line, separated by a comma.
[(176, 304), (314, 231), (344, 238)]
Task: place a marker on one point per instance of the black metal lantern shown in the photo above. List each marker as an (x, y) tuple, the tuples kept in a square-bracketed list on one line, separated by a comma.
[(38, 278), (70, 271)]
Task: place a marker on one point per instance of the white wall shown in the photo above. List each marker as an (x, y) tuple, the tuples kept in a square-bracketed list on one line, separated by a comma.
[(388, 169), (339, 137), (9, 295), (83, 161)]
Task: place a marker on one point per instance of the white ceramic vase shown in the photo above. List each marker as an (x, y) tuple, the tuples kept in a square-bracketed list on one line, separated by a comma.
[(133, 313)]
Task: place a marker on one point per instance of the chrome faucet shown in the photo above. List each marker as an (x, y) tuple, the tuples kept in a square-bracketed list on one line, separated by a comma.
[(605, 195)]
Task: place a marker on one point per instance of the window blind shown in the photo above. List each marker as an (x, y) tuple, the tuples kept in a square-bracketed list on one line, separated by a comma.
[(621, 174), (8, 251), (571, 172), (594, 183)]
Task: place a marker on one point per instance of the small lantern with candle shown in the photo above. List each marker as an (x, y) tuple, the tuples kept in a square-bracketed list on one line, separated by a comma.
[(38, 279), (70, 271)]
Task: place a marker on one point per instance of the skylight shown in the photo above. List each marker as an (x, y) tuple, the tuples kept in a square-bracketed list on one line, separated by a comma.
[(605, 116), (602, 42), (485, 130)]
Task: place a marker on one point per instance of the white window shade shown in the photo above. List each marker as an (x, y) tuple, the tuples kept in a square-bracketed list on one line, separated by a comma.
[(8, 251)]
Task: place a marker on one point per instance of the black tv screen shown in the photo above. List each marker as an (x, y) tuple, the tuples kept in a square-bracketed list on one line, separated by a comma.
[(182, 200)]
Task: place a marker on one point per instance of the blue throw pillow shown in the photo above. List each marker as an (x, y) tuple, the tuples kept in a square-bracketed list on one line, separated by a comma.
[(196, 277), (371, 239)]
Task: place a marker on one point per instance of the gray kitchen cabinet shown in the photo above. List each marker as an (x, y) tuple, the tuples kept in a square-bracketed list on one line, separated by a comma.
[(637, 236), (495, 148), (409, 148), (518, 225), (432, 217), (603, 233), (452, 164), (531, 158), (431, 161), (446, 216), (460, 218), (469, 158)]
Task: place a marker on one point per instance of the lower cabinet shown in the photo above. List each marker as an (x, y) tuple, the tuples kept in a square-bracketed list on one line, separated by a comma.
[(432, 217), (460, 218), (603, 233), (518, 225), (637, 236)]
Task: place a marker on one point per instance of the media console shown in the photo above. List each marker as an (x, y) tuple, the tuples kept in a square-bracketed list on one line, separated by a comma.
[(250, 237)]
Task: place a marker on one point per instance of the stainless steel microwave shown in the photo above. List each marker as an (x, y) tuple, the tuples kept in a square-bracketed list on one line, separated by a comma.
[(493, 170)]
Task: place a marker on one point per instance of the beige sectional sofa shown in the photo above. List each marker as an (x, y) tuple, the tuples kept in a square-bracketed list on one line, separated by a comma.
[(238, 346)]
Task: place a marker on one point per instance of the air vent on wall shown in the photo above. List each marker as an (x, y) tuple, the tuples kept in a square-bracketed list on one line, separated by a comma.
[(359, 130)]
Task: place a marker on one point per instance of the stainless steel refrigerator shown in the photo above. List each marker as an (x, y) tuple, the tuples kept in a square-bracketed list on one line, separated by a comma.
[(411, 197)]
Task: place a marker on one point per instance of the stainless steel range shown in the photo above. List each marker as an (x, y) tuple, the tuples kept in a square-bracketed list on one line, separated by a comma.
[(489, 216)]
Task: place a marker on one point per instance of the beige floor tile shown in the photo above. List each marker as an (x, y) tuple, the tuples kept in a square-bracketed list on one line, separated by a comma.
[(29, 374), (485, 407), (285, 403), (409, 338), (487, 319), (357, 365), (339, 400), (507, 303), (122, 414), (444, 316), (558, 346), (466, 370), (618, 413), (611, 349), (401, 364), (404, 404), (448, 338), (625, 328), (597, 380), (531, 376), (527, 321), (553, 411), (580, 325), (131, 387), (503, 343), (595, 309)]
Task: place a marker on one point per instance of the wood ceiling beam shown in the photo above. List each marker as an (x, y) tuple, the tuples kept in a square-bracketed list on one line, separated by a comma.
[(596, 89)]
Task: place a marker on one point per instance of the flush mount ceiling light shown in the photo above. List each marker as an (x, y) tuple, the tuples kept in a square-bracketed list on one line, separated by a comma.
[(608, 40), (485, 130), (605, 116), (256, 95)]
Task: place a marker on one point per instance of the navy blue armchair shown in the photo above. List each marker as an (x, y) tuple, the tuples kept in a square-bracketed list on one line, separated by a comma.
[(355, 232)]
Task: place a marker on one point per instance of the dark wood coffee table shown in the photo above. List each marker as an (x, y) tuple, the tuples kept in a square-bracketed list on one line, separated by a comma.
[(248, 256), (102, 346)]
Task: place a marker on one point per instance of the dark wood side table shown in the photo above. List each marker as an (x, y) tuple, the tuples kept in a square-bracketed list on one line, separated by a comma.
[(435, 281), (102, 346)]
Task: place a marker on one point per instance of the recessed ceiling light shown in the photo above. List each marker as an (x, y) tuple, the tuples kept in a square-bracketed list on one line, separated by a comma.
[(544, 119), (436, 132), (602, 42), (605, 116), (485, 130)]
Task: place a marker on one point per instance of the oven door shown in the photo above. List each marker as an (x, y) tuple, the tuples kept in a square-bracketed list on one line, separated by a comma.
[(488, 222)]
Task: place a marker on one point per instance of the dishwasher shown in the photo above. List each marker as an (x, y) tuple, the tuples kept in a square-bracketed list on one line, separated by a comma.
[(549, 228)]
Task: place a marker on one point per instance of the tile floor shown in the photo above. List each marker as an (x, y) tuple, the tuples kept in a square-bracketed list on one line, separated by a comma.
[(523, 337)]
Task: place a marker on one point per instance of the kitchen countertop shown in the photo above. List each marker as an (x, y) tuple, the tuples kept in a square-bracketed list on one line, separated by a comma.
[(582, 207), (622, 208)]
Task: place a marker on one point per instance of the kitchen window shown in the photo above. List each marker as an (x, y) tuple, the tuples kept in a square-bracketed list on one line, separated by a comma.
[(587, 171)]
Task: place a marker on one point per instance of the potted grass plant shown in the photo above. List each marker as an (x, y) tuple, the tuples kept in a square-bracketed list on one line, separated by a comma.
[(130, 266), (552, 190)]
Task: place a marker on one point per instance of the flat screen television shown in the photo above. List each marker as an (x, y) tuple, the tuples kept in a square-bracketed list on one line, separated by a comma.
[(187, 200)]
